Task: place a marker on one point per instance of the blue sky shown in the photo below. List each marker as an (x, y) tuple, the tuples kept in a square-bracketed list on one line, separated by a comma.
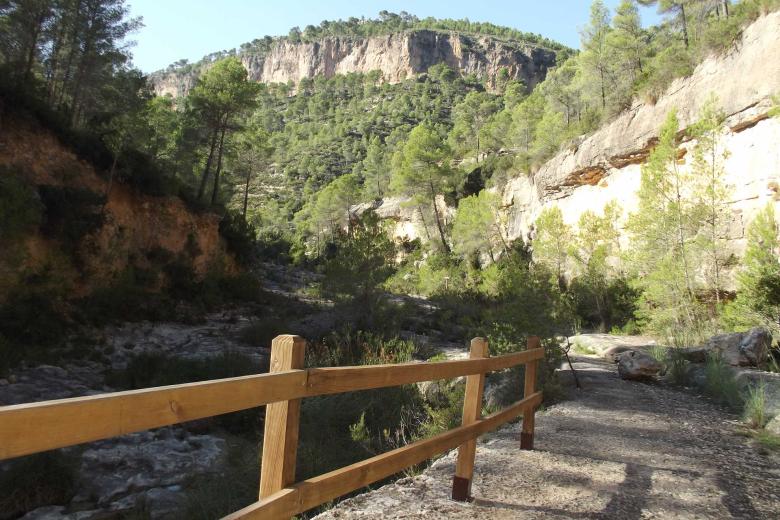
[(190, 29)]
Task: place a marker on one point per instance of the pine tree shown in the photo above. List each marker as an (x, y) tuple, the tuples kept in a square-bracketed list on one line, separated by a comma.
[(628, 44), (708, 166), (596, 57), (221, 94), (552, 243), (663, 238), (758, 280), (478, 226), (421, 171)]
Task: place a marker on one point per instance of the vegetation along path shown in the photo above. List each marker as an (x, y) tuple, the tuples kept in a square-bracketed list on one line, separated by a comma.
[(615, 449)]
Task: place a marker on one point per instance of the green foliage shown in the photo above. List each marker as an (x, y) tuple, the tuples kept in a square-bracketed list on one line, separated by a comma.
[(71, 213), (240, 237), (421, 172), (362, 261), (551, 243), (754, 413), (357, 347), (35, 481), (214, 495), (720, 382), (758, 280), (664, 240), (20, 207), (478, 226)]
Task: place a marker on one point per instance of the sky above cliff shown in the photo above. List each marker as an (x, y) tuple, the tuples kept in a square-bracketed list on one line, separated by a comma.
[(190, 29)]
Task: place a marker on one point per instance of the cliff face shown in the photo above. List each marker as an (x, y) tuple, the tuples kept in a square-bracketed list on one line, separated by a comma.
[(606, 166), (130, 229), (397, 56)]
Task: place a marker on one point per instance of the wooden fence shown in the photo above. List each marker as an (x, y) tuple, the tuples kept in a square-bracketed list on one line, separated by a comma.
[(36, 427)]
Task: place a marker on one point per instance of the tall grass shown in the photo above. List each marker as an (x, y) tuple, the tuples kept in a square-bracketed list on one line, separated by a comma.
[(720, 382), (754, 413)]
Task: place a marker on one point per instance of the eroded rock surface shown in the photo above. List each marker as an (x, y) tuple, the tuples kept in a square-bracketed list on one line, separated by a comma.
[(397, 56)]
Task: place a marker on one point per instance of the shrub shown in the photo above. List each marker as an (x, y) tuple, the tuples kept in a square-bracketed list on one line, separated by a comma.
[(677, 367), (755, 406), (239, 236), (35, 481), (71, 213), (216, 495), (348, 347), (20, 206), (720, 382), (261, 332)]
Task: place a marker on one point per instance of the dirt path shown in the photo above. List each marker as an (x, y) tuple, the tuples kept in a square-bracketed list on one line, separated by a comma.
[(616, 449)]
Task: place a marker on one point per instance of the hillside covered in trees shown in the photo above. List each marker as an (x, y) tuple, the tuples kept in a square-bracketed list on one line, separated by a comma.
[(438, 201)]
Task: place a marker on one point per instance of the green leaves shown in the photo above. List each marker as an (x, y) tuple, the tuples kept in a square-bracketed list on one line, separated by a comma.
[(478, 226)]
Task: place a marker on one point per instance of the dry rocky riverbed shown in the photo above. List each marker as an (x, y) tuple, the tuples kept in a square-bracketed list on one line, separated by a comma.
[(615, 449)]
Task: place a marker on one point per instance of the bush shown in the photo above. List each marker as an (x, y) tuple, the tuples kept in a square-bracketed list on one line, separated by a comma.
[(720, 382), (348, 347), (260, 332), (33, 320), (755, 406), (71, 213), (35, 481), (20, 206), (239, 236)]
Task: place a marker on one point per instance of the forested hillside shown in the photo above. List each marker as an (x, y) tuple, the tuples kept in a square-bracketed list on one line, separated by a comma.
[(507, 187)]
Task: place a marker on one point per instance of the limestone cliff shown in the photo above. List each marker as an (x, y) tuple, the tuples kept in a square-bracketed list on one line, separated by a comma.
[(606, 165), (126, 229), (397, 56)]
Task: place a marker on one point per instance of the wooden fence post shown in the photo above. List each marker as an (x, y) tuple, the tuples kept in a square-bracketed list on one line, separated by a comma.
[(472, 411), (527, 435), (280, 441)]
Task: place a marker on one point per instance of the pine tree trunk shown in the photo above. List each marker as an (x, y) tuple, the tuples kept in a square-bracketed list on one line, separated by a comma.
[(205, 176), (684, 25), (215, 190), (438, 220), (246, 191)]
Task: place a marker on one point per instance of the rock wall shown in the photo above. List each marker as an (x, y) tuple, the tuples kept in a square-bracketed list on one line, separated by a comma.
[(135, 227), (606, 165), (397, 56)]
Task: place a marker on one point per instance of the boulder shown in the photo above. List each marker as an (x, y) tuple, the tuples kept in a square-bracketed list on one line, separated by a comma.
[(637, 366), (739, 349), (613, 354), (773, 426)]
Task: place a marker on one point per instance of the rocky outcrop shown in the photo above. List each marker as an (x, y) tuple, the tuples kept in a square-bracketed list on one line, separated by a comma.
[(397, 56), (133, 229), (738, 349), (606, 165)]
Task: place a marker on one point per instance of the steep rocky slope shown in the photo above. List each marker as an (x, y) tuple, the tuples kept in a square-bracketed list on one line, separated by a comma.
[(397, 56), (606, 165), (122, 227)]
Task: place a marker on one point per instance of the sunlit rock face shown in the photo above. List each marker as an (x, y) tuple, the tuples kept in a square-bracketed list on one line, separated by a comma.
[(606, 166), (397, 56)]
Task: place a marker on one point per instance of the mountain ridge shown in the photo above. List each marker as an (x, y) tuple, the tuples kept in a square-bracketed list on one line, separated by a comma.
[(397, 56)]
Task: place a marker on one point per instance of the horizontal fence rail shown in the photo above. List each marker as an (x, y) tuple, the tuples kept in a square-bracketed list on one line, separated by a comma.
[(35, 427)]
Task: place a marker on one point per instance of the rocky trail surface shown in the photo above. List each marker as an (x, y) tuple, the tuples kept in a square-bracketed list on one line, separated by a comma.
[(615, 449)]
